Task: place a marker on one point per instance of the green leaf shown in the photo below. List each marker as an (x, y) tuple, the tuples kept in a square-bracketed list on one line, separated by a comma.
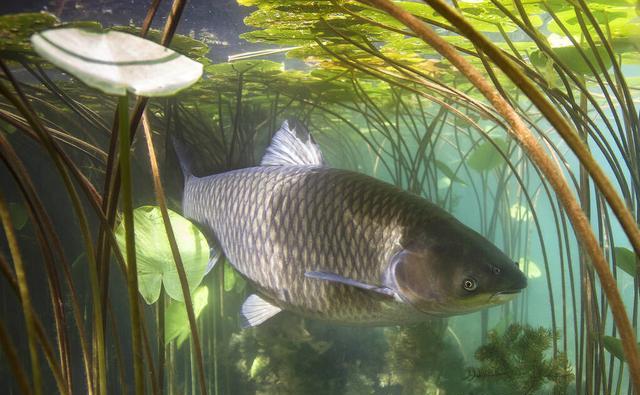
[(486, 157), (626, 260), (116, 62), (153, 253), (614, 346), (448, 172), (177, 320), (570, 56), (15, 30)]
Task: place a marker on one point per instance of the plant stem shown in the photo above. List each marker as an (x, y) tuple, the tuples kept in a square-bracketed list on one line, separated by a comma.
[(159, 190), (132, 267), (537, 154), (25, 296)]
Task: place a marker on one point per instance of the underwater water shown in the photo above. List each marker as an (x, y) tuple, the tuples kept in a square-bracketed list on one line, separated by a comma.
[(317, 270)]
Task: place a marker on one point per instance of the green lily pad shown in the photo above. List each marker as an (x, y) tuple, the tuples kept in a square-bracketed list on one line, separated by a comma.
[(153, 253), (176, 318), (570, 56), (15, 30), (626, 260), (116, 62), (486, 157)]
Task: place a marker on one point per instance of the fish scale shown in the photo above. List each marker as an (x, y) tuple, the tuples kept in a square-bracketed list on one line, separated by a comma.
[(276, 223)]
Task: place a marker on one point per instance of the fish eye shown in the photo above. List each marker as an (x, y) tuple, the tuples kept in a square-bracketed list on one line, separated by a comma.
[(470, 284), (496, 270)]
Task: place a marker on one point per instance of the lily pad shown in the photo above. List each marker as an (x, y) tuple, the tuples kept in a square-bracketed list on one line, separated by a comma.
[(626, 260), (15, 30), (486, 157), (117, 62), (177, 320), (570, 56), (153, 253)]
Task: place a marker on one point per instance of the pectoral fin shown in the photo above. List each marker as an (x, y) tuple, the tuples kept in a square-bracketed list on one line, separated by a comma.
[(326, 276), (255, 311)]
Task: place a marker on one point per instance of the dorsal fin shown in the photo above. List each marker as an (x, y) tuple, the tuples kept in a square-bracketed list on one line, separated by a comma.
[(293, 145)]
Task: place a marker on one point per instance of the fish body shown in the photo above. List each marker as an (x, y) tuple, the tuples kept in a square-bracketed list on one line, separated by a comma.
[(341, 246)]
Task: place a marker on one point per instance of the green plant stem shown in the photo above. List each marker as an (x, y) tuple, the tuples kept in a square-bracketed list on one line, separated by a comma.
[(60, 160), (530, 144), (160, 196), (14, 361), (25, 295), (132, 267)]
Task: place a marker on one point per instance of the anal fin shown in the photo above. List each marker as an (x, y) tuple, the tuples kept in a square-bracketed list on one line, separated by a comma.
[(255, 311)]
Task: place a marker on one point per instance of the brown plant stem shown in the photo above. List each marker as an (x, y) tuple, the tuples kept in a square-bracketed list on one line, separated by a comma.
[(25, 295), (160, 197), (537, 154)]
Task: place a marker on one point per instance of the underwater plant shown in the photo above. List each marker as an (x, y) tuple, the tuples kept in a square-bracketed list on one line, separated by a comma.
[(515, 361), (380, 100)]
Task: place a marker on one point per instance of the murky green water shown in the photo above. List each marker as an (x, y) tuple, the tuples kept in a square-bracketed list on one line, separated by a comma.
[(534, 145)]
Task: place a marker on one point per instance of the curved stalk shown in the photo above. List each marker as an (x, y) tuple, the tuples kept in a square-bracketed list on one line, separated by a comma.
[(530, 144), (159, 190), (25, 295)]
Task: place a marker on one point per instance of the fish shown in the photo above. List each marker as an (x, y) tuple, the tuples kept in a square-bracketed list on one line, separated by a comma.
[(341, 246)]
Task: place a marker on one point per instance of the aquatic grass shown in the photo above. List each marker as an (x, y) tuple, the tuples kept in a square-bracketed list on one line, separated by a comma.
[(580, 222), (160, 197)]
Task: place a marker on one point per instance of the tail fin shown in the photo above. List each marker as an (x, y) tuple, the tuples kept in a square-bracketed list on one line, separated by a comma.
[(184, 158)]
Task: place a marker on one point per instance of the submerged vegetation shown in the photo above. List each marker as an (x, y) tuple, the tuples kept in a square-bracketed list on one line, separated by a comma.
[(547, 169), (514, 361)]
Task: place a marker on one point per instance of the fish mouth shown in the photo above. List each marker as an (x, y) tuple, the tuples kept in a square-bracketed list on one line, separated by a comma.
[(504, 296), (508, 292)]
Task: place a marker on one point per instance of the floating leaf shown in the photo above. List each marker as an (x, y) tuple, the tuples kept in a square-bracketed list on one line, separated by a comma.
[(117, 62), (529, 268), (154, 257), (626, 260), (176, 318), (614, 346), (486, 157), (15, 30), (570, 56)]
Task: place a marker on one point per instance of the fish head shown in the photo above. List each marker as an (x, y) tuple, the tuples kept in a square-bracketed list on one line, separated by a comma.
[(453, 270)]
